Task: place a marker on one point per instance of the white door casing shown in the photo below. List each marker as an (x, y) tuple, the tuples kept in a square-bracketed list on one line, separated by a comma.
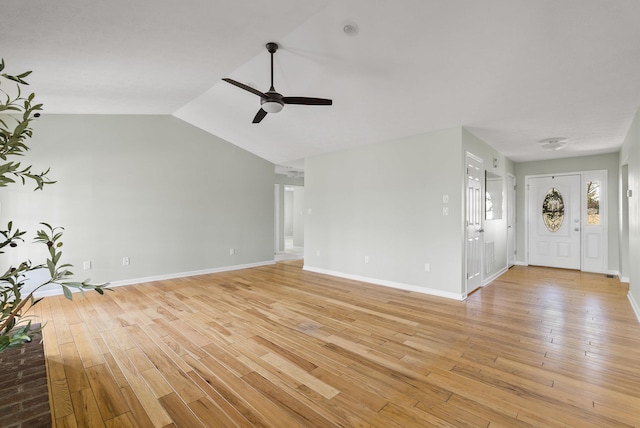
[(511, 220), (559, 248), (474, 210)]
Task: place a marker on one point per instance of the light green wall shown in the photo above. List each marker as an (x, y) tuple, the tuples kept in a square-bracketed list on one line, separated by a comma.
[(164, 193), (630, 155), (384, 201), (607, 162)]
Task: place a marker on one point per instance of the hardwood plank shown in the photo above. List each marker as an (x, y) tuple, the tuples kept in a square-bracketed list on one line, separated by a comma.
[(284, 353), (410, 417), (156, 382), (141, 400), (327, 391), (86, 409), (236, 390), (68, 421), (294, 387), (89, 352), (208, 412), (137, 409), (61, 404), (125, 420), (177, 378), (73, 368), (180, 413), (237, 412), (107, 392), (294, 406)]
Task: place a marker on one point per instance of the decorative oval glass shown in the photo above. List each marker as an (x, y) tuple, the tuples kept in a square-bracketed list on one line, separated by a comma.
[(553, 210)]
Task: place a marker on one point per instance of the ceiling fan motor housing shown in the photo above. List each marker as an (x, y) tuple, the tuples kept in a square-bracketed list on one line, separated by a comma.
[(272, 104)]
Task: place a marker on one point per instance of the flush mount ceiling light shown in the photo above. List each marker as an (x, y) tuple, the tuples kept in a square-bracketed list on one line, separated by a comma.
[(553, 144)]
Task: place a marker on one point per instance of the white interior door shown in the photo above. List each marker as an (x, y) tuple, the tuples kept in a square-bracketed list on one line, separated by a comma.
[(511, 220), (554, 221), (475, 175)]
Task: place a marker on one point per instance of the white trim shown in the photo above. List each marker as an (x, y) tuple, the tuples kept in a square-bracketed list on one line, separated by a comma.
[(512, 201), (487, 281), (277, 215), (624, 279), (392, 284), (634, 305), (521, 263), (58, 290)]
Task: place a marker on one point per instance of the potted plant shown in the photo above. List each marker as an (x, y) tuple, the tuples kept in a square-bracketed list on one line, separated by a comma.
[(17, 111)]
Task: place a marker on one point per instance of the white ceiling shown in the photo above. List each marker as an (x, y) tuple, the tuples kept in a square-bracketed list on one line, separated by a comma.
[(513, 72)]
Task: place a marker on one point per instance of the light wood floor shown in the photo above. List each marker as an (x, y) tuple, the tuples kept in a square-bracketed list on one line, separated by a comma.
[(277, 346)]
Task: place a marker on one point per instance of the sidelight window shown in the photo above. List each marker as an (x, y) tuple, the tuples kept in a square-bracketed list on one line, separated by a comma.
[(593, 202)]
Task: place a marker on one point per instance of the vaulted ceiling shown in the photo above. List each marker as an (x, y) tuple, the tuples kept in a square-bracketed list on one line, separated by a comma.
[(513, 72)]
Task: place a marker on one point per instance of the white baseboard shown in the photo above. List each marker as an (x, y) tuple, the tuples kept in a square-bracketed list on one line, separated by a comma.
[(486, 281), (624, 279), (58, 290), (392, 284), (634, 305)]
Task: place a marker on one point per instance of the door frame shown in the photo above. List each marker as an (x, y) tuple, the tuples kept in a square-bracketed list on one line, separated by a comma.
[(481, 207), (512, 244), (604, 210)]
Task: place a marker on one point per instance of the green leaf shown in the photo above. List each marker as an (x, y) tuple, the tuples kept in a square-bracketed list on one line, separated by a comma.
[(23, 75), (67, 292), (52, 268), (4, 343), (56, 258)]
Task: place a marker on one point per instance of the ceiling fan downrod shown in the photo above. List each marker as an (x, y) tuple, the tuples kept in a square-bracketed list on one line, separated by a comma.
[(272, 47)]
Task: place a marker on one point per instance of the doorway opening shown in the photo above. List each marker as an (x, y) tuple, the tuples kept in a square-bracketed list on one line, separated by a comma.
[(291, 233)]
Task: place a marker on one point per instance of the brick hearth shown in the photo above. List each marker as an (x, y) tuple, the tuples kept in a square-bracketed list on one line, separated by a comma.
[(24, 397)]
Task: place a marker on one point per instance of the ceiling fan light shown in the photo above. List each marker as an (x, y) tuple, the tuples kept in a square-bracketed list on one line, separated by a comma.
[(272, 106)]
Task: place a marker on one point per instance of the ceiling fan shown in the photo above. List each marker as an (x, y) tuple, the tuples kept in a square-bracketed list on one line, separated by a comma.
[(272, 101)]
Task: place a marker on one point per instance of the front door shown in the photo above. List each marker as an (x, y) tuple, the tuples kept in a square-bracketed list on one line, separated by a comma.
[(554, 221), (474, 197)]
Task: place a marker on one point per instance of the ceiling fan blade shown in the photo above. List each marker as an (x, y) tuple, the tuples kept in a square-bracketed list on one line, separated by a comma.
[(245, 87), (259, 116), (307, 101)]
